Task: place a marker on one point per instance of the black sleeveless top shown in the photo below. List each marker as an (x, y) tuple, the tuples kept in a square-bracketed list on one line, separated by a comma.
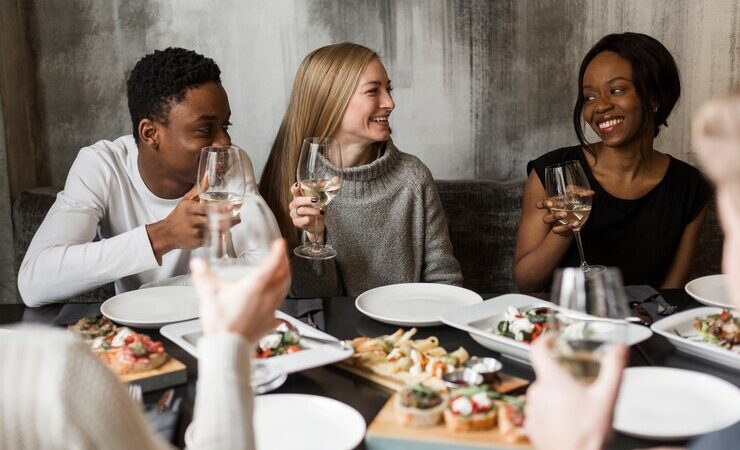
[(639, 236)]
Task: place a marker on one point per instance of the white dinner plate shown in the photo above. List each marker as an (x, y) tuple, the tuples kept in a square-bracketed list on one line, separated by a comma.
[(709, 290), (481, 321), (679, 329), (306, 422), (314, 354), (674, 404), (153, 307), (414, 304)]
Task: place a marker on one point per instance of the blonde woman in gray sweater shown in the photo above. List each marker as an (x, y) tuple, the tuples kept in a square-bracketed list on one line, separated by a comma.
[(387, 224), (55, 394)]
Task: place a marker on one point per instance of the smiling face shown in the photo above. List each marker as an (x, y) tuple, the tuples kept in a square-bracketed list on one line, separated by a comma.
[(200, 120), (366, 119), (611, 104)]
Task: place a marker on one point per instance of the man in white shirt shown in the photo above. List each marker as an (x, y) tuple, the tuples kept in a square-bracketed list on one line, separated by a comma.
[(137, 193)]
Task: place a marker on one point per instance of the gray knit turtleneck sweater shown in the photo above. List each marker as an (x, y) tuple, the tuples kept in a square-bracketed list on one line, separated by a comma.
[(387, 226)]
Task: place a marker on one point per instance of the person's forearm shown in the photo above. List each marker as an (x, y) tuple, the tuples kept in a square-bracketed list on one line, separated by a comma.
[(160, 239), (533, 270), (223, 406), (56, 271)]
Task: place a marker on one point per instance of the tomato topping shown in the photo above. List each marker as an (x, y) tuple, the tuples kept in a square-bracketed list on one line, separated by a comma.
[(129, 339), (293, 348)]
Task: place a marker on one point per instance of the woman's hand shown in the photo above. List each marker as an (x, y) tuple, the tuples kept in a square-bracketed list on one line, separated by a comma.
[(563, 413), (246, 307), (552, 219), (306, 215)]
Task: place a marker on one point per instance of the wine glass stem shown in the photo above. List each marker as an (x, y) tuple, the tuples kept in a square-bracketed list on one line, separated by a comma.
[(577, 234), (316, 242)]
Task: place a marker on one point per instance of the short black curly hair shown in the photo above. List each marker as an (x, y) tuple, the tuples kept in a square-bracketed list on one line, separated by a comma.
[(163, 77)]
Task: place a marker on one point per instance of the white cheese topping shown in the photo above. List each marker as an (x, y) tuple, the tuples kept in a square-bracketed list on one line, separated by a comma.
[(462, 406), (120, 337), (282, 327), (481, 399), (518, 323), (270, 341), (98, 342)]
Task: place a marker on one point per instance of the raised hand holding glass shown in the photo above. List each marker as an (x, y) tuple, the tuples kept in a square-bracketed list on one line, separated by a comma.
[(318, 175), (569, 192), (592, 310)]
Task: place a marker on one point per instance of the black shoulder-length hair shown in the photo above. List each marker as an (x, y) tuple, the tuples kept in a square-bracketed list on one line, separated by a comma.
[(654, 73)]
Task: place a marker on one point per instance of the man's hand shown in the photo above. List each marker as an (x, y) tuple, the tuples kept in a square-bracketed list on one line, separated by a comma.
[(246, 307), (183, 228)]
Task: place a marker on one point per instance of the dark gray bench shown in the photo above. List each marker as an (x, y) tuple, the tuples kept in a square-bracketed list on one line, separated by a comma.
[(482, 215)]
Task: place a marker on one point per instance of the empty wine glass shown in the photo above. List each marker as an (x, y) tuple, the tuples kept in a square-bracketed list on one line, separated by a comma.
[(221, 177), (569, 191), (591, 314), (318, 174)]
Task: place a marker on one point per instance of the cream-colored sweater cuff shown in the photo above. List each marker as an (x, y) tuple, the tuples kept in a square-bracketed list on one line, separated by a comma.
[(224, 352)]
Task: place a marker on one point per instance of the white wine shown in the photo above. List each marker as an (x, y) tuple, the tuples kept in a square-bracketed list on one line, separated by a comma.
[(581, 357), (323, 190), (227, 198), (574, 212)]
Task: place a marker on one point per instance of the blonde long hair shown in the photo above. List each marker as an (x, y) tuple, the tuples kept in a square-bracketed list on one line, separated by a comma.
[(322, 88)]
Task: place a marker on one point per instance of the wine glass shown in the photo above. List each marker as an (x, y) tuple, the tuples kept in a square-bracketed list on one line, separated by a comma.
[(318, 173), (591, 314), (221, 177), (569, 191), (257, 231)]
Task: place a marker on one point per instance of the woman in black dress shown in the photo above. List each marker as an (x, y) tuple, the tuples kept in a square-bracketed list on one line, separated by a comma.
[(648, 207)]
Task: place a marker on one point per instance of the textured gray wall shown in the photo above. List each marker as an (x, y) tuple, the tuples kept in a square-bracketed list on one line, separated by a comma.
[(481, 86)]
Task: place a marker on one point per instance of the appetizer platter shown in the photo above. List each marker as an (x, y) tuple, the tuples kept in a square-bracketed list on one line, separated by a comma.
[(397, 360), (293, 346), (509, 323), (463, 418), (442, 398), (133, 357), (709, 333)]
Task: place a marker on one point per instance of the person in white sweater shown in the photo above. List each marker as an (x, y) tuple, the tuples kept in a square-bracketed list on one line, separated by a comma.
[(137, 194), (57, 395)]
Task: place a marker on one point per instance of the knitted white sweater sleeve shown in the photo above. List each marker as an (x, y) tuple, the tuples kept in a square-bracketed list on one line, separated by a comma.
[(55, 394)]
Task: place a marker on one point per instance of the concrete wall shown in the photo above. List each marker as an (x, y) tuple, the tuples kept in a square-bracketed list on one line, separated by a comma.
[(481, 86)]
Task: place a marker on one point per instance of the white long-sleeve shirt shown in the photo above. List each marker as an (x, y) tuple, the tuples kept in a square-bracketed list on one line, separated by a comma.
[(104, 195), (56, 395)]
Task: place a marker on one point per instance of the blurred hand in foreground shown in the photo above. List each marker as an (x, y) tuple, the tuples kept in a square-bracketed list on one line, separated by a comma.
[(248, 306), (563, 413)]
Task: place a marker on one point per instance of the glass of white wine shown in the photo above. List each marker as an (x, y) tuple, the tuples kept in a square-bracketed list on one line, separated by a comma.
[(221, 177), (591, 315), (318, 173), (569, 191)]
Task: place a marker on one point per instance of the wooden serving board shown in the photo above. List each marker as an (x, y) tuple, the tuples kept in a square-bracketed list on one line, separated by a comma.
[(385, 433), (171, 373), (508, 383)]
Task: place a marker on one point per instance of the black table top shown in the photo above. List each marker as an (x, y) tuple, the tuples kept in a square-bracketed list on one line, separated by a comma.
[(344, 321)]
